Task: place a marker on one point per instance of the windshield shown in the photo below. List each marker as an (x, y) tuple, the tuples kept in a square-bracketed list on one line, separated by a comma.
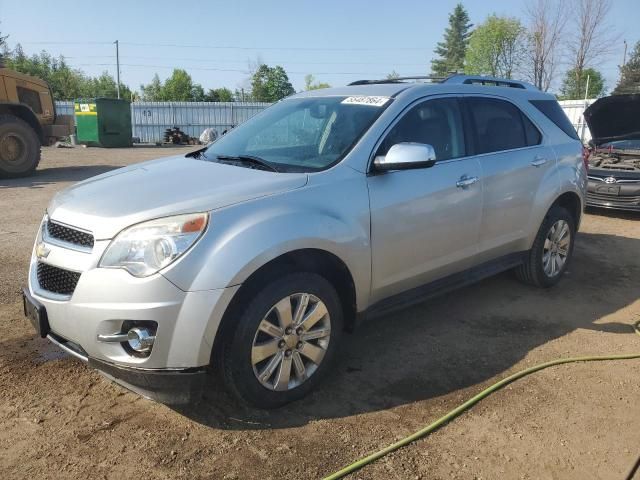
[(621, 145), (301, 134)]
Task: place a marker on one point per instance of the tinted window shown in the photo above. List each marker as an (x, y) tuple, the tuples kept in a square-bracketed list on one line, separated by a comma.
[(435, 122), (534, 137), (31, 98), (499, 125), (553, 111)]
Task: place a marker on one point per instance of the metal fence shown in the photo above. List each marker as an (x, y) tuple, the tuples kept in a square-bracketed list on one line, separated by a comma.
[(150, 119), (574, 109)]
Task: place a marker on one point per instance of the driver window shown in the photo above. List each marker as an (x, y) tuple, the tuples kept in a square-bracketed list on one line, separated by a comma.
[(435, 122)]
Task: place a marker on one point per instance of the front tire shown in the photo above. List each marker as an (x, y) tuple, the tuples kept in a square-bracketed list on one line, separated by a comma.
[(285, 341), (552, 249)]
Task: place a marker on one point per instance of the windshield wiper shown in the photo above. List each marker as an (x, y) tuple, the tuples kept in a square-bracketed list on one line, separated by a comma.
[(249, 160)]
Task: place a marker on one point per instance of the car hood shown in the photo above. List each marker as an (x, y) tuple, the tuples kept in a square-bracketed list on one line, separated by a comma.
[(614, 118), (107, 203)]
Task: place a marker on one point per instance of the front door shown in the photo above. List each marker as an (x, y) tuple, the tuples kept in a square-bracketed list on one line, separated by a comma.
[(425, 222)]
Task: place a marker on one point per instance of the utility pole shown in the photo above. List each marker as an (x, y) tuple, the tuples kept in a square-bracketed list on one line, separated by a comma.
[(117, 68), (624, 56)]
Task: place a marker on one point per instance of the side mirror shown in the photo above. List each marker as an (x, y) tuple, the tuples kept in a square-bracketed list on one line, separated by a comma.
[(405, 156)]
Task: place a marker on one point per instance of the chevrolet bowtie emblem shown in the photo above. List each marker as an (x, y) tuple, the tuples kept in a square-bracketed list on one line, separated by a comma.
[(42, 251)]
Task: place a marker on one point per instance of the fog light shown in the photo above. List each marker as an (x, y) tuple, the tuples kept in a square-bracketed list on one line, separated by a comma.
[(140, 340)]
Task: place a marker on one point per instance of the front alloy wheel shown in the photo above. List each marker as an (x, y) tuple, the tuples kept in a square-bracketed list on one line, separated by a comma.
[(291, 342), (282, 341)]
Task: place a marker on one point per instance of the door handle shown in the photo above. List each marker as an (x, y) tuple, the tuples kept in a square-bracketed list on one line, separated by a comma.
[(465, 181), (538, 161)]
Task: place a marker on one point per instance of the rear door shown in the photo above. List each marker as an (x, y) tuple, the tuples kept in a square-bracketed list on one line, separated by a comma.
[(425, 222), (514, 163)]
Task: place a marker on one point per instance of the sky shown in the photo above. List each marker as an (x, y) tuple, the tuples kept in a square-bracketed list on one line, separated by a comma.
[(216, 42)]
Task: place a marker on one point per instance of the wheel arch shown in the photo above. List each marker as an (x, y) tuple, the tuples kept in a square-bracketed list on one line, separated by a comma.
[(572, 203), (314, 260)]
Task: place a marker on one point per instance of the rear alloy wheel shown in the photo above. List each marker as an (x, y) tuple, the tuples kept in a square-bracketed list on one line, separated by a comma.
[(284, 341), (551, 252), (556, 248)]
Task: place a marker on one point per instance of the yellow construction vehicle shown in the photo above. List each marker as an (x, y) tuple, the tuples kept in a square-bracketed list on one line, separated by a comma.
[(27, 121)]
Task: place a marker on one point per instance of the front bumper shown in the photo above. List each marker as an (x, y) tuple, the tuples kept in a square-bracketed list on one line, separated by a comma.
[(103, 299), (621, 195)]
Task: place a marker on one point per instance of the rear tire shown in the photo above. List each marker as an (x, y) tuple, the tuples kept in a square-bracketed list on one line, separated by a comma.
[(19, 147), (551, 252), (267, 361)]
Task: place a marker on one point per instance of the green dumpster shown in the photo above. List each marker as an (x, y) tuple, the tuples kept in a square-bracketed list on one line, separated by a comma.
[(103, 122)]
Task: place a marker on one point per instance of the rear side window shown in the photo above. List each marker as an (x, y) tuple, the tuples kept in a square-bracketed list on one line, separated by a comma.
[(553, 111), (30, 98), (499, 125)]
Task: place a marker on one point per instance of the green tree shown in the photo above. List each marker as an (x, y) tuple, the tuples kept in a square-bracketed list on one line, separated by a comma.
[(393, 75), (453, 48), (630, 74), (496, 47), (3, 47), (66, 83), (105, 86), (152, 92), (219, 95), (309, 85), (179, 87), (573, 88), (270, 84)]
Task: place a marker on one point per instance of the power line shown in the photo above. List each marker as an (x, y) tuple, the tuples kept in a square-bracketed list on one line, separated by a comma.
[(283, 62), (216, 69), (236, 47)]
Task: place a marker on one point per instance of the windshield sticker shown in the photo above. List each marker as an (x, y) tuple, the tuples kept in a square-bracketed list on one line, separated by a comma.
[(366, 100)]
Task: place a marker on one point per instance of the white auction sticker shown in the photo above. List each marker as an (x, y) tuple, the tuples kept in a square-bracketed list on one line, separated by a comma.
[(366, 100)]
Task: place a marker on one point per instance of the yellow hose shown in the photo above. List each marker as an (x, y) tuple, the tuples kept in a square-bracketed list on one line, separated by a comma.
[(469, 403)]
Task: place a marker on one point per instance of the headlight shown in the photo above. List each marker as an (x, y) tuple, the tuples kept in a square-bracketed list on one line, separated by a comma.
[(148, 247)]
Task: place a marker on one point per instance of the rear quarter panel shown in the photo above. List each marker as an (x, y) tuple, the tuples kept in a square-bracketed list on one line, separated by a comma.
[(568, 175)]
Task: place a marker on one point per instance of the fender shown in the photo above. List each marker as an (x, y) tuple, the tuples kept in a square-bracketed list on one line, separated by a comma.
[(331, 215)]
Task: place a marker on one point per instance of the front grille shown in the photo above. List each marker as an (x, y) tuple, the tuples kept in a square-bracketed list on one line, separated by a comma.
[(618, 199), (69, 235), (57, 280)]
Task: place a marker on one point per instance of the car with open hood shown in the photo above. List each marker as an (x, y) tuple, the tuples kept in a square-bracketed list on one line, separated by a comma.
[(614, 162)]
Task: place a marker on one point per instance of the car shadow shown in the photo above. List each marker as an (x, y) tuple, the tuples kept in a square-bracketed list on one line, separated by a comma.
[(453, 342), (51, 175)]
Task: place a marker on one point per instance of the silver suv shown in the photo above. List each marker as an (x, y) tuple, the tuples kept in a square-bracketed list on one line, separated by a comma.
[(252, 256)]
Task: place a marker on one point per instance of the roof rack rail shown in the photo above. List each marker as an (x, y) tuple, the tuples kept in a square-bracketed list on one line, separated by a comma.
[(398, 80), (456, 78), (489, 81)]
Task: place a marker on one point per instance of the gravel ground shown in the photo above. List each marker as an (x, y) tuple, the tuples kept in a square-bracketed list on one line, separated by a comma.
[(61, 420)]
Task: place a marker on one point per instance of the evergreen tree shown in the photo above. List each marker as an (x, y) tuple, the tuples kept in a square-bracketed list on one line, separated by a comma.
[(630, 74), (454, 47)]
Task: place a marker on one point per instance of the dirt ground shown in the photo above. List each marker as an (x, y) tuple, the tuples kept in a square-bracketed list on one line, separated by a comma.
[(58, 419)]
